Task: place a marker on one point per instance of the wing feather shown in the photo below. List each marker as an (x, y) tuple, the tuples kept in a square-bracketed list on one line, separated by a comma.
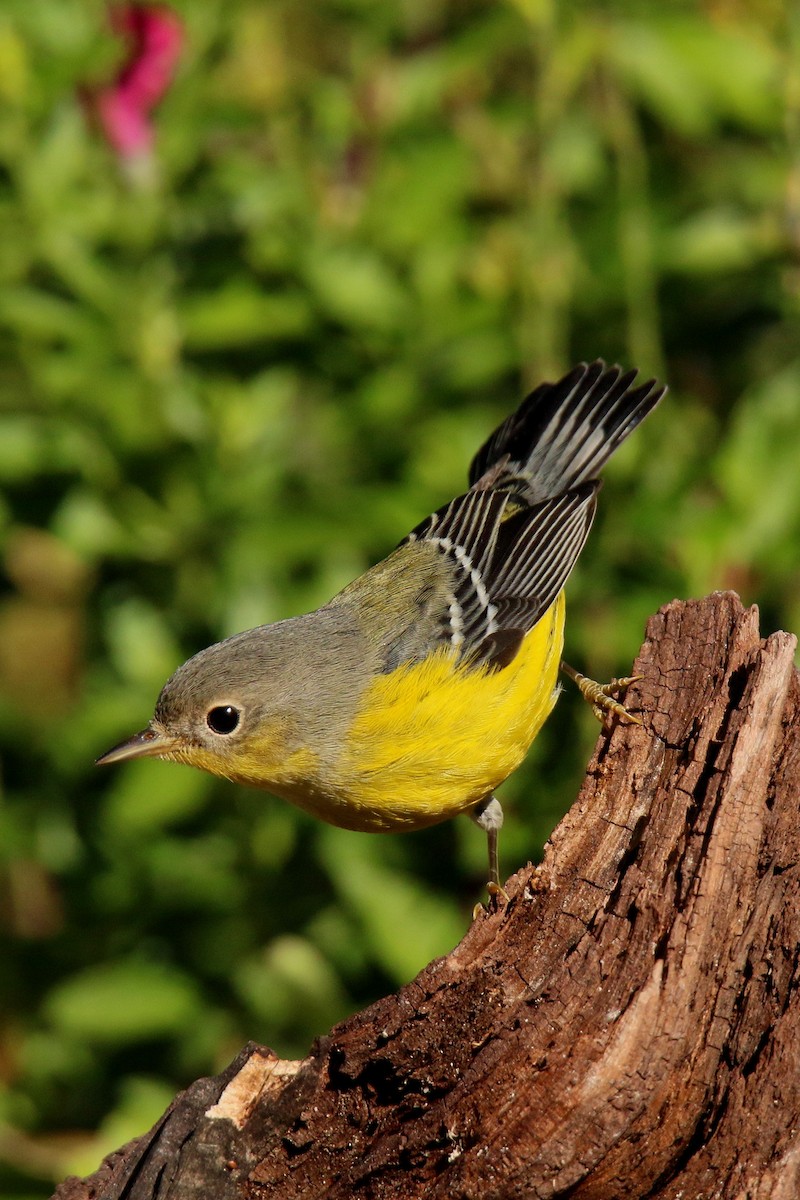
[(505, 570)]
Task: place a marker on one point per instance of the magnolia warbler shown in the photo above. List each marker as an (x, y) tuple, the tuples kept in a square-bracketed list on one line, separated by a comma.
[(418, 689)]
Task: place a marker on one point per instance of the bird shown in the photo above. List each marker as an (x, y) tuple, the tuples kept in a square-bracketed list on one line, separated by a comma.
[(417, 690)]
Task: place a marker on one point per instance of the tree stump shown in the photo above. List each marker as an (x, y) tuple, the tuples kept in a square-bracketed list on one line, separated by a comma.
[(626, 1026)]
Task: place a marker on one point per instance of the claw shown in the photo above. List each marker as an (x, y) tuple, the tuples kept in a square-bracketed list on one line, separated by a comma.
[(619, 685), (496, 891), (600, 695)]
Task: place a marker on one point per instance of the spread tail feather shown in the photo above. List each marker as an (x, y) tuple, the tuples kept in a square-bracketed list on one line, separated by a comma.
[(563, 433)]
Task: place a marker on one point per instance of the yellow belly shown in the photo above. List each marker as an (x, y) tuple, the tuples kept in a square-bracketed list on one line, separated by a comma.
[(432, 739)]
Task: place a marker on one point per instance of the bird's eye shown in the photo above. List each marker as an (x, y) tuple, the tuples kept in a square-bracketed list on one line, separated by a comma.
[(223, 719)]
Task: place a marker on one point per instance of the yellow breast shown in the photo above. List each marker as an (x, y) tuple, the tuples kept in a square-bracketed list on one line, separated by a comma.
[(432, 739)]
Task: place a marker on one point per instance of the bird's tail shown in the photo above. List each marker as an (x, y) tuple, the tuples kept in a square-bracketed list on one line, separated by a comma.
[(563, 433)]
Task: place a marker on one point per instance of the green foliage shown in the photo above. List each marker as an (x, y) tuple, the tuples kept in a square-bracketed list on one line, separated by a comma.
[(226, 392)]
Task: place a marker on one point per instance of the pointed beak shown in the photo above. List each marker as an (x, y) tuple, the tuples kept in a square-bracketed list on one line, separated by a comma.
[(147, 744)]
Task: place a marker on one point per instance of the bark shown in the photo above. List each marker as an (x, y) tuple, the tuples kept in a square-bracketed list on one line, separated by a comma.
[(627, 1025)]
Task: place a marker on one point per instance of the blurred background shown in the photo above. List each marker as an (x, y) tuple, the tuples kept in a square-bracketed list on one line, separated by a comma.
[(269, 273)]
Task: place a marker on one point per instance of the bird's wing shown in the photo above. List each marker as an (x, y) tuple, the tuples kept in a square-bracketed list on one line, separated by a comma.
[(504, 563)]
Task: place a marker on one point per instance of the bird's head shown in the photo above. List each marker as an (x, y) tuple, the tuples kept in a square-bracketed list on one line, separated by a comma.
[(223, 711)]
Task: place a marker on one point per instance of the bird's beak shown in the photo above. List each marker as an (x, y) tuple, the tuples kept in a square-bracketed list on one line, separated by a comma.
[(147, 744)]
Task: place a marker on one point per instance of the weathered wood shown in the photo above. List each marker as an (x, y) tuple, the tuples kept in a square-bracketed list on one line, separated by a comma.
[(628, 1025)]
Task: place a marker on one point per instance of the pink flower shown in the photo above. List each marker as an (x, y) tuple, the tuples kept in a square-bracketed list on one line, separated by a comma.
[(123, 108)]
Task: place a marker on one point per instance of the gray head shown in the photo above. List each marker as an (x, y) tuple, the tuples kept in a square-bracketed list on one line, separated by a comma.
[(227, 705), (242, 707)]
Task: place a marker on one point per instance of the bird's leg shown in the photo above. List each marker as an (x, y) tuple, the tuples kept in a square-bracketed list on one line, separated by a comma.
[(489, 815), (601, 695)]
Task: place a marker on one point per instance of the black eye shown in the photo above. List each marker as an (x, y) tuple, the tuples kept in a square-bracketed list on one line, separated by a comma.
[(223, 719)]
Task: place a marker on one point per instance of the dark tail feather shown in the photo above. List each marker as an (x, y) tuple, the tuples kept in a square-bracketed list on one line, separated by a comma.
[(563, 433)]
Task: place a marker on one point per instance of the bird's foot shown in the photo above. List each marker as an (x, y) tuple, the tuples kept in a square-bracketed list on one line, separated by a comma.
[(601, 695), (497, 893)]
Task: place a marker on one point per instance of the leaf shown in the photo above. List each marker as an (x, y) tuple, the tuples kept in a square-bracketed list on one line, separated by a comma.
[(405, 922), (123, 1002), (238, 314)]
